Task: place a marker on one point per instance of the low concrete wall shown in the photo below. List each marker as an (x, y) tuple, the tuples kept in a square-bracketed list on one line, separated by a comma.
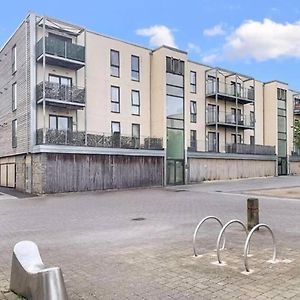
[(294, 165), (218, 166)]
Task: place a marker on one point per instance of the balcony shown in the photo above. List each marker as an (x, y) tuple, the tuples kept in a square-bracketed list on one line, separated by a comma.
[(61, 53), (297, 106), (229, 120), (250, 149), (61, 95), (229, 92), (71, 138)]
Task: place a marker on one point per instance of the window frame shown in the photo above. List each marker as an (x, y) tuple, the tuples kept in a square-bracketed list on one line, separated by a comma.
[(111, 125), (112, 65), (193, 114), (133, 70), (14, 133), (193, 85), (115, 102), (14, 96), (69, 119), (136, 105), (14, 59), (193, 139)]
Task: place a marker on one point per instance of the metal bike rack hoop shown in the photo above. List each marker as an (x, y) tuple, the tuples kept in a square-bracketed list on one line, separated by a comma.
[(198, 226), (247, 244), (222, 232)]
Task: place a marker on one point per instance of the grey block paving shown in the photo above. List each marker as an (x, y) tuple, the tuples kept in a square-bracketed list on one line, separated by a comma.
[(106, 255)]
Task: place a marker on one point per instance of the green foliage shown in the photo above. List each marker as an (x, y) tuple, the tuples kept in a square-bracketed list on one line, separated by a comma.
[(297, 133)]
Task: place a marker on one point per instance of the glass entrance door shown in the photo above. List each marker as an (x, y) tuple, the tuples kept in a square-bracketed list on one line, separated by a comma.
[(175, 172), (175, 156)]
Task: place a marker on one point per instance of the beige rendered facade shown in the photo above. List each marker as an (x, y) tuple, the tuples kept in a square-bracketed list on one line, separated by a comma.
[(75, 102)]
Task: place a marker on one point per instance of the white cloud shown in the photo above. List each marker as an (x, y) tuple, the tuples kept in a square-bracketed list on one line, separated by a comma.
[(263, 40), (159, 35), (214, 31), (210, 58), (193, 48)]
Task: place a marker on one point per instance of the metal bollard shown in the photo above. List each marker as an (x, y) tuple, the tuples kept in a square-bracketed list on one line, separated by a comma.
[(252, 213)]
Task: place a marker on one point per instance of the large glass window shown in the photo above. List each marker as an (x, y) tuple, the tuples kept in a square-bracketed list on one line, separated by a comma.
[(135, 102), (14, 59), (193, 111), (175, 143), (174, 107), (14, 133), (135, 68), (115, 99), (14, 96), (114, 63), (193, 78)]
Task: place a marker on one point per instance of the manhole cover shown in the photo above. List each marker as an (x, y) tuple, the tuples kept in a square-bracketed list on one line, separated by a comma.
[(138, 219)]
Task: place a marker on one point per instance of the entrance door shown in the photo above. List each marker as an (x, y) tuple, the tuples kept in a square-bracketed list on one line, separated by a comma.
[(282, 166), (175, 171), (175, 156)]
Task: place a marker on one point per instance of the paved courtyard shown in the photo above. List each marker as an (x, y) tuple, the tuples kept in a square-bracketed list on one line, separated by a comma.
[(106, 254)]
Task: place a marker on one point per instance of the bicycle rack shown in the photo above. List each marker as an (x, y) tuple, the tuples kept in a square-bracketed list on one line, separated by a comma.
[(247, 244), (222, 232), (197, 228)]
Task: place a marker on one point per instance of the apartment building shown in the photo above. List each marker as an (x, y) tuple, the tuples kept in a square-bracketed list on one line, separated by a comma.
[(83, 111)]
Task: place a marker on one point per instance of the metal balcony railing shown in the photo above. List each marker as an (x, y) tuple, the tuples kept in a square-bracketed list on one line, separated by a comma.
[(71, 138), (213, 87), (61, 49), (250, 149), (213, 117), (55, 91)]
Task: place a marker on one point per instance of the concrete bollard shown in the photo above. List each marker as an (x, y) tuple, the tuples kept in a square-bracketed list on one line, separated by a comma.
[(252, 213)]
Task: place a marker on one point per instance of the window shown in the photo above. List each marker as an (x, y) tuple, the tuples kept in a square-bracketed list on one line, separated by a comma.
[(116, 134), (174, 107), (14, 59), (252, 120), (114, 63), (212, 113), (193, 82), (251, 139), (193, 111), (135, 103), (60, 123), (61, 80), (136, 135), (175, 66), (135, 68), (14, 129), (115, 99), (213, 142), (14, 96), (281, 94), (236, 139), (60, 37), (115, 128), (193, 140)]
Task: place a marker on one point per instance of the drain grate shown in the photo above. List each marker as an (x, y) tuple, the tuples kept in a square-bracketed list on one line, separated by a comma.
[(138, 219)]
